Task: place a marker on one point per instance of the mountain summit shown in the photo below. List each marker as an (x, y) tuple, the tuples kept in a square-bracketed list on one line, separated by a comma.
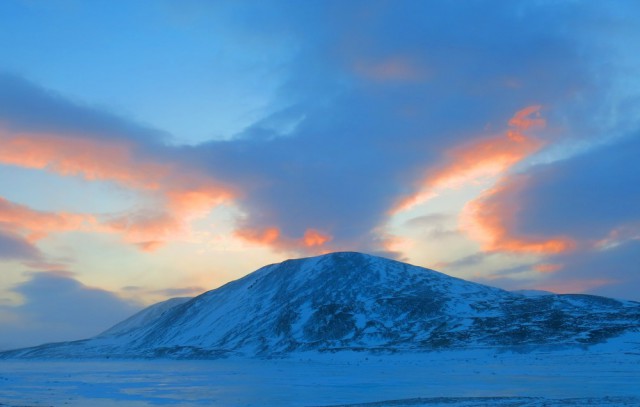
[(352, 301)]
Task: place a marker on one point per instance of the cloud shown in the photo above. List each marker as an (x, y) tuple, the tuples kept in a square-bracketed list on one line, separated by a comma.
[(469, 260), (57, 307), (490, 220), (591, 198), (481, 158), (483, 219), (612, 273), (14, 247), (21, 228), (373, 112), (89, 158), (372, 98), (312, 240), (587, 196), (179, 194), (167, 292), (34, 225), (26, 108), (85, 142), (425, 221)]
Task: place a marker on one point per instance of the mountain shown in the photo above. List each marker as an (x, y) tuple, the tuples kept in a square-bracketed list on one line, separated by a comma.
[(144, 317), (353, 301)]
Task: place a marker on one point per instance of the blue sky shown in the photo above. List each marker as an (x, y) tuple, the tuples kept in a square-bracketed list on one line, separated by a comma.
[(153, 148)]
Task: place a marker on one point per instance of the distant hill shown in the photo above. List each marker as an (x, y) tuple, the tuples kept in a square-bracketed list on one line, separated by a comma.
[(352, 301)]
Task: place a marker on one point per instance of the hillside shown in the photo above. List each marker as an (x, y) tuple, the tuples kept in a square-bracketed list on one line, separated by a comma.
[(353, 301)]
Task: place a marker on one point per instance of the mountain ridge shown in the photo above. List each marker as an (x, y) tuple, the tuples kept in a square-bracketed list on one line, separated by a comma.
[(352, 301)]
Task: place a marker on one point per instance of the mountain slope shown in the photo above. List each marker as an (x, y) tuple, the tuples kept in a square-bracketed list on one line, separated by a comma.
[(144, 317), (355, 301)]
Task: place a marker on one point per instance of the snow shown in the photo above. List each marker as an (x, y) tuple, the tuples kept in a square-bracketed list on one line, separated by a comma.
[(532, 293), (144, 317), (352, 301), (603, 377), (298, 319)]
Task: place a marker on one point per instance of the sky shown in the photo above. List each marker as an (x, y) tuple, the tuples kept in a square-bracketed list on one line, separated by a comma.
[(157, 149)]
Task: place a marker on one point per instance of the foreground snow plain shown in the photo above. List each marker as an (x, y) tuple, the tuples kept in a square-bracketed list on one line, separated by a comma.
[(605, 376)]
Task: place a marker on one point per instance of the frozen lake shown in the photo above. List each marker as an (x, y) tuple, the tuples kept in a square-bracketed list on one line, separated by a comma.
[(447, 379)]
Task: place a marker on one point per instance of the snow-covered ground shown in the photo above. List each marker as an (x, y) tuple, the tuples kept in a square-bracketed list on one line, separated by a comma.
[(600, 377)]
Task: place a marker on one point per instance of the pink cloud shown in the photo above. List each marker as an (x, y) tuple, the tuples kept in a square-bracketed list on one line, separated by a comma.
[(313, 240), (548, 267), (482, 158), (35, 225), (490, 219), (267, 236), (89, 158), (180, 194)]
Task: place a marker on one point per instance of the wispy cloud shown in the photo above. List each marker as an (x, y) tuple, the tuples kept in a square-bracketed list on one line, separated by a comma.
[(33, 225)]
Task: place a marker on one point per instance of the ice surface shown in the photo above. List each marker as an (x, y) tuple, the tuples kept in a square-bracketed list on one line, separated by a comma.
[(600, 377)]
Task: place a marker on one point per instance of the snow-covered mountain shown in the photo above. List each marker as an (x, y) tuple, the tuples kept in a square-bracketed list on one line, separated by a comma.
[(144, 317), (352, 301)]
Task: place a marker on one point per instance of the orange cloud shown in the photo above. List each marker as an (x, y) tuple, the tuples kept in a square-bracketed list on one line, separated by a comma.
[(35, 225), (180, 194), (138, 229), (480, 159), (169, 220), (522, 120), (176, 206), (266, 236), (194, 196), (313, 240), (397, 244), (489, 219), (150, 245), (89, 158), (146, 229)]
